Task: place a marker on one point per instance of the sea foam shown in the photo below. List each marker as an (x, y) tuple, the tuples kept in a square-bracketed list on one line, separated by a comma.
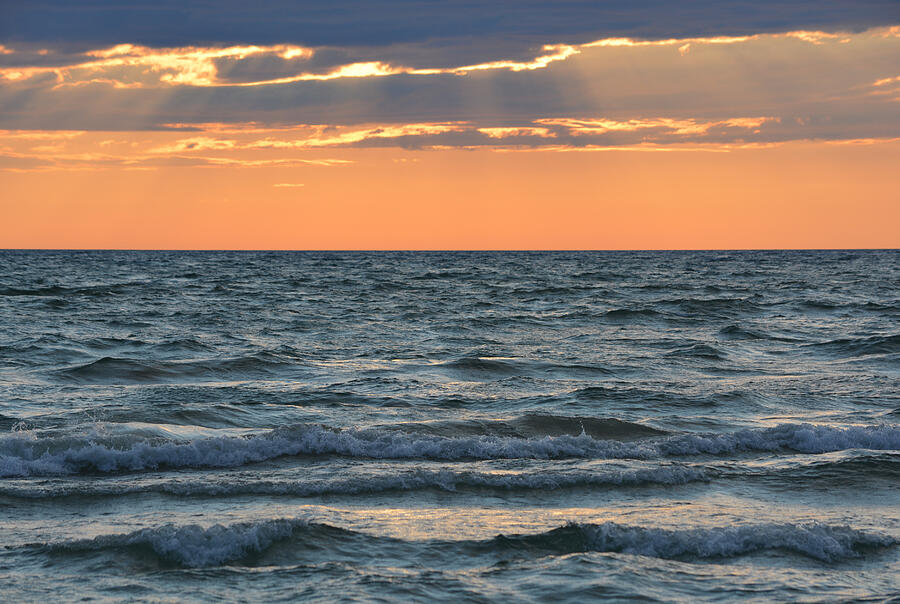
[(24, 454)]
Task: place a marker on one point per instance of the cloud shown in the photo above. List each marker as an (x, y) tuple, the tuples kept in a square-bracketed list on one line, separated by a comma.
[(253, 146), (52, 135), (517, 131), (97, 151), (126, 66), (450, 23), (758, 88), (197, 143), (130, 66), (663, 126)]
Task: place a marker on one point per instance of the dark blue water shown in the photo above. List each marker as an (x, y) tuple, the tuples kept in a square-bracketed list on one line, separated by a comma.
[(660, 426)]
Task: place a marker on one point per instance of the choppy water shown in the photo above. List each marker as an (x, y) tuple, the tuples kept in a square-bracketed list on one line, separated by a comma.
[(690, 426)]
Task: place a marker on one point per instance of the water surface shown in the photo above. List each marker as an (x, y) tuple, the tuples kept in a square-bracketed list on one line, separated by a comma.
[(661, 426)]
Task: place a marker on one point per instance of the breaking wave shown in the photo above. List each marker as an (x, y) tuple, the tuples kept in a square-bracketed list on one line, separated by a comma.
[(27, 454), (814, 540), (197, 546), (194, 545)]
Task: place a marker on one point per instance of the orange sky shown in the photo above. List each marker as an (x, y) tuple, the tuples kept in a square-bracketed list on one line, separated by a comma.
[(797, 195), (775, 140)]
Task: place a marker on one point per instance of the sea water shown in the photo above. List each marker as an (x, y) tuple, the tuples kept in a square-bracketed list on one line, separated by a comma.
[(451, 426)]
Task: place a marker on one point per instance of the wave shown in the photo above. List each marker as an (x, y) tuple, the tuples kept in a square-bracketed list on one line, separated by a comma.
[(59, 290), (194, 545), (8, 422), (25, 454), (803, 438), (841, 473), (605, 428), (165, 346), (487, 367), (818, 304), (548, 290), (417, 480), (841, 470), (244, 542), (869, 306), (715, 307), (480, 365), (534, 425), (854, 347), (699, 350), (736, 332), (632, 314), (819, 541), (653, 400), (116, 370), (181, 345), (112, 369)]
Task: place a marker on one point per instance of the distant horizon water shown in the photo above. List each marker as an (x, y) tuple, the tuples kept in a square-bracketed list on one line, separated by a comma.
[(449, 250)]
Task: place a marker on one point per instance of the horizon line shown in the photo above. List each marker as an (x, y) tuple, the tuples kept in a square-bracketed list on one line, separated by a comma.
[(437, 250)]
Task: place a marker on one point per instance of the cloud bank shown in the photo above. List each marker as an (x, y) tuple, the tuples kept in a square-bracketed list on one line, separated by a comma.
[(280, 84)]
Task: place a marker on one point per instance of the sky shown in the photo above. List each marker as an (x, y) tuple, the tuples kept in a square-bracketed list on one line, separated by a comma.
[(450, 125)]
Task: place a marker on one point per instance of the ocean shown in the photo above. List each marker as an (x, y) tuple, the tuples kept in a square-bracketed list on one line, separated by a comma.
[(450, 426)]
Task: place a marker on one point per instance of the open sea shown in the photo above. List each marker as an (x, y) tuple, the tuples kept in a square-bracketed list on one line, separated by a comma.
[(450, 426)]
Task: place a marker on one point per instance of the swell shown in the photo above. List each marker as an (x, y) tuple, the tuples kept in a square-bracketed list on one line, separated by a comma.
[(535, 425), (172, 345), (698, 350), (479, 365), (834, 473), (869, 306), (842, 473), (487, 367), (116, 370), (818, 541), (59, 290), (196, 546), (854, 347), (27, 454), (712, 307), (738, 332), (248, 542), (628, 315), (408, 481), (123, 370)]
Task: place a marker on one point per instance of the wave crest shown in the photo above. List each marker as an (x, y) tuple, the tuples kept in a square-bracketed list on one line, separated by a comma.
[(196, 546), (117, 370), (444, 480), (193, 545), (858, 347), (814, 540), (24, 454)]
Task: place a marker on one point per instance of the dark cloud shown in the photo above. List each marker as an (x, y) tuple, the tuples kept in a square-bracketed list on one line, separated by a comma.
[(813, 87), (352, 23)]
